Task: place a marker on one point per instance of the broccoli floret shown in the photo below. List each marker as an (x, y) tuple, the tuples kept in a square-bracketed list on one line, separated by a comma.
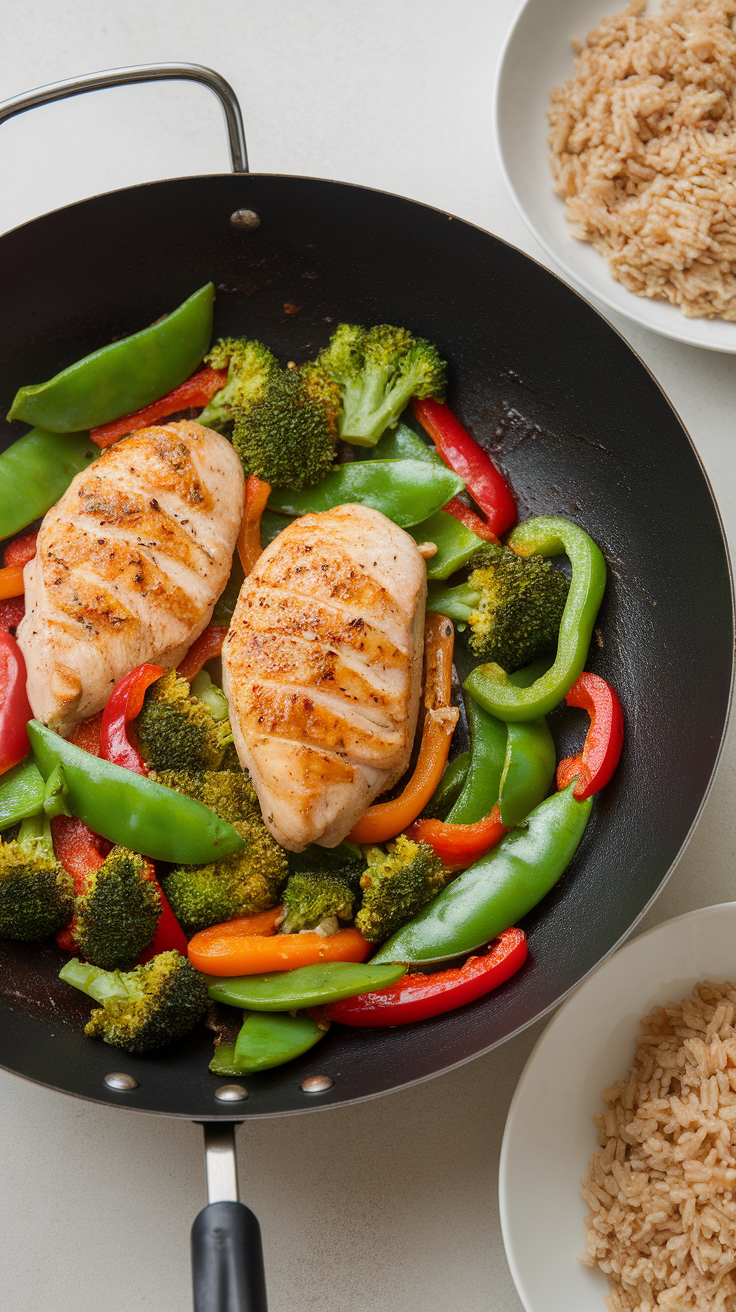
[(378, 370), (512, 604), (248, 364), (396, 886), (116, 916), (287, 435), (243, 884), (323, 883), (228, 793), (143, 1008), (177, 731), (36, 893)]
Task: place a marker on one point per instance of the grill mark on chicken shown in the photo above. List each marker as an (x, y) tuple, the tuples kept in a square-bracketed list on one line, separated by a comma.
[(322, 666), (129, 565)]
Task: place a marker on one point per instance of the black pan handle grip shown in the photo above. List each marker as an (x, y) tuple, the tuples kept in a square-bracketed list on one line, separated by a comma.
[(118, 77), (227, 1260)]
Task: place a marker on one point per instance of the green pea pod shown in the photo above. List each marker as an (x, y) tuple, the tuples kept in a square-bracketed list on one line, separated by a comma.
[(499, 889), (448, 789), (307, 986), (489, 684), (487, 756), (528, 769), (454, 542), (267, 1039), (406, 491), (124, 376), (402, 443), (131, 809), (35, 471), (21, 793)]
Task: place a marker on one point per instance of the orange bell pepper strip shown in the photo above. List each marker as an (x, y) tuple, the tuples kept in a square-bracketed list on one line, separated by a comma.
[(222, 951), (11, 582), (208, 644), (387, 819), (249, 539), (458, 846), (21, 550), (260, 925), (195, 391)]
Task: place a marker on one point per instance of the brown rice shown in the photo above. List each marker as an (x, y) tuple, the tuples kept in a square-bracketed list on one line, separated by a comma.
[(643, 151), (662, 1188)]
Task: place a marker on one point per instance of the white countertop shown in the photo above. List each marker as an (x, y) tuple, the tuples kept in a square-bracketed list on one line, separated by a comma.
[(391, 1204)]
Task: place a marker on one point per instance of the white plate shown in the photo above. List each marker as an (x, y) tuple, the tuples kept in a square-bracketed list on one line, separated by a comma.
[(537, 56), (549, 1133)]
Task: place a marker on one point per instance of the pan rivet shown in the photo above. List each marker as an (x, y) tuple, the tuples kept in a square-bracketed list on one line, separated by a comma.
[(231, 1093), (245, 220), (120, 1081), (317, 1084)]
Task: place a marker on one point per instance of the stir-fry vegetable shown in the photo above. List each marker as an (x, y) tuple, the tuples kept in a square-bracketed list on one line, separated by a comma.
[(125, 704), (15, 710), (406, 491), (222, 951), (594, 766), (35, 471), (195, 392), (307, 986), (268, 1039)]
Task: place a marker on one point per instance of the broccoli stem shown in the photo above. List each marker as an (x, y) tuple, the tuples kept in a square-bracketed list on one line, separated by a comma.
[(34, 835), (102, 985), (456, 603), (212, 696)]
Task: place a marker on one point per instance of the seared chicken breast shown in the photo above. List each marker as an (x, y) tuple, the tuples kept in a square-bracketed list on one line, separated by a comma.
[(129, 565), (322, 670)]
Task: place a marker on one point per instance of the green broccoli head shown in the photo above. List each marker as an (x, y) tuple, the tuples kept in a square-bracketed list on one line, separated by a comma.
[(249, 366), (229, 793), (323, 882), (396, 886), (36, 893), (287, 433), (144, 1008), (176, 730), (243, 884), (512, 604), (117, 915), (378, 370)]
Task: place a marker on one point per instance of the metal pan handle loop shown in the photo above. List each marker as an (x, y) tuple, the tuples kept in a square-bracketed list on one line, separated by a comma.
[(118, 77)]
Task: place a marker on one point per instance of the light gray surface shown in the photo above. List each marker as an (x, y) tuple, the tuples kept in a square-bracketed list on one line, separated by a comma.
[(392, 1204)]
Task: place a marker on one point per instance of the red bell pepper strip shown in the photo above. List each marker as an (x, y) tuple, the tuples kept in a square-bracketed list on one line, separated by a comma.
[(463, 455), (125, 704), (596, 763), (86, 735), (458, 846), (208, 644), (468, 517), (12, 611), (418, 996), (15, 710), (20, 550), (169, 936), (80, 852), (249, 539), (195, 391)]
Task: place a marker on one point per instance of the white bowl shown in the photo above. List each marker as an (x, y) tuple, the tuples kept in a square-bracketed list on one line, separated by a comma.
[(549, 1132), (537, 56)]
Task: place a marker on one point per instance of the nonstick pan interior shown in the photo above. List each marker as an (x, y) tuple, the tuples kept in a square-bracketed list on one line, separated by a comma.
[(580, 428)]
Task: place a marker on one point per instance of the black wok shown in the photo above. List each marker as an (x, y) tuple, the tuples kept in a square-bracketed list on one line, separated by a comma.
[(581, 429)]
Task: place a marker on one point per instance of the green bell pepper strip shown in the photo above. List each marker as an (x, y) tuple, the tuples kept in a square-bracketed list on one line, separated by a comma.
[(21, 793), (448, 789), (35, 471), (489, 684), (406, 491), (454, 542), (131, 809), (307, 986), (266, 1039), (499, 889), (124, 376)]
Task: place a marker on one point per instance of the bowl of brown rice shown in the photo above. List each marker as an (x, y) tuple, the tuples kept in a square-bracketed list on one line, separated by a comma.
[(618, 1167), (616, 132)]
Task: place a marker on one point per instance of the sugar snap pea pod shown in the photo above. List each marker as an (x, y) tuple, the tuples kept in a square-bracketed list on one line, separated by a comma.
[(21, 793), (487, 754), (489, 684), (35, 471), (402, 443), (307, 986), (449, 788), (406, 491), (124, 376), (528, 770), (131, 809), (499, 889), (454, 542), (267, 1039)]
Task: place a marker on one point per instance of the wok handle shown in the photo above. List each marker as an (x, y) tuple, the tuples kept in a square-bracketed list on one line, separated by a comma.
[(118, 77), (227, 1257)]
